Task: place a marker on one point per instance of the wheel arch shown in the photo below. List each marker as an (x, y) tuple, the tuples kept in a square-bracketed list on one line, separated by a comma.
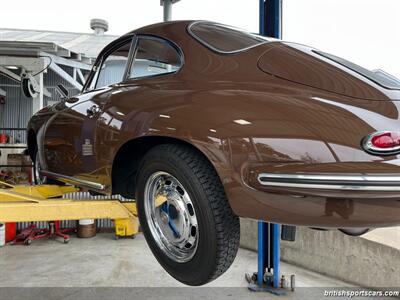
[(127, 159), (32, 143)]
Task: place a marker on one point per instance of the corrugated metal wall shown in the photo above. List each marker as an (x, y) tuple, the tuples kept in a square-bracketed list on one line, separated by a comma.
[(18, 109), (101, 224), (51, 80)]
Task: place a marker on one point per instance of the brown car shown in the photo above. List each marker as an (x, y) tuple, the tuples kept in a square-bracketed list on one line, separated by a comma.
[(202, 123)]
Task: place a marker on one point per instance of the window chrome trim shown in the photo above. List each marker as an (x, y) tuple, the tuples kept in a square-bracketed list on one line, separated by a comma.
[(132, 54), (91, 81), (383, 182), (219, 51), (116, 47), (137, 38), (73, 180)]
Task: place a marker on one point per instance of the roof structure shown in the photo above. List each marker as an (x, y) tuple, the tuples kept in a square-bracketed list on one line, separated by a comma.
[(66, 44), (47, 58)]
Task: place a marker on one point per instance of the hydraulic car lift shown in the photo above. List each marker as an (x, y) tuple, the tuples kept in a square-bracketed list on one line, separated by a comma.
[(44, 203), (267, 278)]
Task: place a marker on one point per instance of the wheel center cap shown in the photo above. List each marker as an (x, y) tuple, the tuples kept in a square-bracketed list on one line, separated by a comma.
[(173, 212)]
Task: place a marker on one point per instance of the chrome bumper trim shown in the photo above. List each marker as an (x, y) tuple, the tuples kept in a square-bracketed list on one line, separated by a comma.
[(384, 182), (74, 180)]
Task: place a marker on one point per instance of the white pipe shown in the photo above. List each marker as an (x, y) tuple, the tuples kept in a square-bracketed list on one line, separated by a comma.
[(2, 234), (167, 10)]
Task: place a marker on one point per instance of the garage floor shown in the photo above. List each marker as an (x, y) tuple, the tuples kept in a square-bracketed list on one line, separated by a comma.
[(105, 262)]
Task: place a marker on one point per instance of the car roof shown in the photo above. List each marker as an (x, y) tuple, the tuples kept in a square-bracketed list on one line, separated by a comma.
[(160, 27)]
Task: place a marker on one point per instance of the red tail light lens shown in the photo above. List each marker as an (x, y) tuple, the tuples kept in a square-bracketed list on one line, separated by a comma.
[(387, 142)]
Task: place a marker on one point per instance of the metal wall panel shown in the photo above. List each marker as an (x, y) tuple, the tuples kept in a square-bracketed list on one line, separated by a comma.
[(18, 109), (50, 81), (16, 112)]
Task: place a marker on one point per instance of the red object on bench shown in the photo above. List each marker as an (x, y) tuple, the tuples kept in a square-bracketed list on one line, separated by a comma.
[(3, 139)]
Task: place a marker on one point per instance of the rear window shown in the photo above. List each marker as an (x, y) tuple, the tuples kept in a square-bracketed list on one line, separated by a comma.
[(378, 76), (224, 39)]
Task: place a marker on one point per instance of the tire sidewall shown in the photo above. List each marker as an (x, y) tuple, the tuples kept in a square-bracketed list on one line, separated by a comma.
[(202, 265), (45, 179), (35, 167)]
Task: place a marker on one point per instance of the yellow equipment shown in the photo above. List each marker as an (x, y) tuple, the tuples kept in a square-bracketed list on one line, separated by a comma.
[(22, 203)]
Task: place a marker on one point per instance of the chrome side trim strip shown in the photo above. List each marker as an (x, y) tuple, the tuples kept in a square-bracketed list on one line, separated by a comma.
[(74, 180), (332, 182)]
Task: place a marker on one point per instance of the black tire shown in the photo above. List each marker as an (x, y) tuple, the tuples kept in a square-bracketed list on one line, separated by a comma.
[(36, 180), (218, 227), (43, 180)]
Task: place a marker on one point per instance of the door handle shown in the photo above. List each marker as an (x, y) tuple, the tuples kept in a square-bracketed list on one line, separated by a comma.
[(93, 111)]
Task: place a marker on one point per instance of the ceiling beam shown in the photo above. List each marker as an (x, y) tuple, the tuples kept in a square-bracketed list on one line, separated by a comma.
[(10, 74), (30, 64), (46, 92), (81, 77), (65, 75), (67, 62)]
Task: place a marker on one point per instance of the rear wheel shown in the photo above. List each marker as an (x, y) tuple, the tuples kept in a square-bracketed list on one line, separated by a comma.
[(37, 175), (184, 214)]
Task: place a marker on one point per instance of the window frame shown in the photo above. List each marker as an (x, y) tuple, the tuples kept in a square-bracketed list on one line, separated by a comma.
[(93, 76), (170, 43), (219, 51), (91, 82)]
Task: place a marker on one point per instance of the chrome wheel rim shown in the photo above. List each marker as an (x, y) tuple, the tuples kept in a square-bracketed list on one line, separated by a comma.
[(171, 216)]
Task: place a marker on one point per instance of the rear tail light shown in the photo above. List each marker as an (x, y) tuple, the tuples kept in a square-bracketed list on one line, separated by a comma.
[(382, 143)]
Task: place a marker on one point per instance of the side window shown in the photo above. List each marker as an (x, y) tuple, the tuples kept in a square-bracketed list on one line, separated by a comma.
[(113, 67), (154, 57)]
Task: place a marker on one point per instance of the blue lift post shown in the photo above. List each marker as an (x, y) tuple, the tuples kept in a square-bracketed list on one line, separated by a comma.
[(271, 18), (269, 235), (268, 254)]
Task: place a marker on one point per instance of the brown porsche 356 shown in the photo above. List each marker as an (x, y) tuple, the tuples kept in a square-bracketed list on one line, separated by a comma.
[(202, 123)]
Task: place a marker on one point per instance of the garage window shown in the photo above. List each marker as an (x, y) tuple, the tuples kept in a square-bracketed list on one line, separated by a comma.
[(154, 56), (224, 39)]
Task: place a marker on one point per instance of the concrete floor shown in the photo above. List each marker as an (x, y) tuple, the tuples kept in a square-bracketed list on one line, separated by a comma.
[(91, 267)]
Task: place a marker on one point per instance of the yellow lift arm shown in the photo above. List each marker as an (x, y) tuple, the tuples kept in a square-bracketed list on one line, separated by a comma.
[(39, 203)]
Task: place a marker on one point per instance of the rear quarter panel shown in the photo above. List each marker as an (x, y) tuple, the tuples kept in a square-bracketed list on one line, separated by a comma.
[(289, 129)]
